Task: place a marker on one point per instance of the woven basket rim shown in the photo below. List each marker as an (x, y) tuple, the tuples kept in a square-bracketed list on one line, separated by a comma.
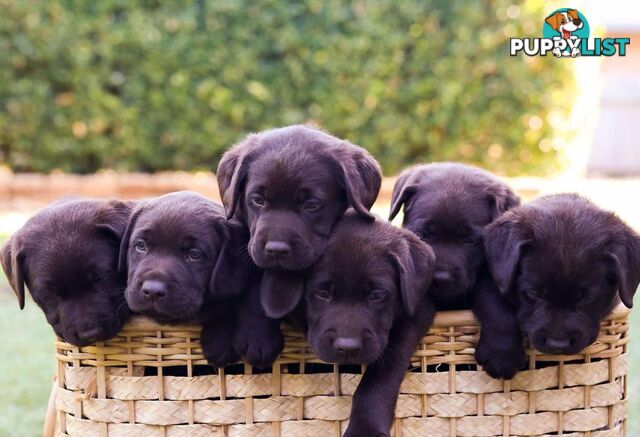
[(442, 319), (106, 389)]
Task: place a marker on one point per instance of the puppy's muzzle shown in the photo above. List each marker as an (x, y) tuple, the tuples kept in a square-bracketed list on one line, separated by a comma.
[(558, 344), (348, 345), (154, 290), (568, 343), (277, 249), (90, 333), (84, 333), (443, 276)]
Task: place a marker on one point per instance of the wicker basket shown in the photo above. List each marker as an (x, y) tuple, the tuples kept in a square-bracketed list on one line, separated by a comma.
[(151, 380)]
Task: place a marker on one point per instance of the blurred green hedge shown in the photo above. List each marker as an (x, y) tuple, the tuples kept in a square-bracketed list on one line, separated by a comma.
[(151, 85)]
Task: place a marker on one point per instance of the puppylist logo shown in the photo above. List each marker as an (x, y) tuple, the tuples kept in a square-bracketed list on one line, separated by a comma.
[(565, 33)]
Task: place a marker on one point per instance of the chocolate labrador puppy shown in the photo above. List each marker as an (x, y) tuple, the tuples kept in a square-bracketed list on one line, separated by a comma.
[(289, 186), (448, 206), (185, 263), (67, 256), (563, 264), (366, 303)]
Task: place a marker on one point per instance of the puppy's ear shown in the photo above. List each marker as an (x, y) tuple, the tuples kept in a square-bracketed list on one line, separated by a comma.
[(361, 177), (231, 271), (280, 292), (403, 190), (626, 259), (501, 199), (503, 242), (124, 242), (573, 13), (232, 174), (12, 257), (112, 217), (415, 261), (553, 20)]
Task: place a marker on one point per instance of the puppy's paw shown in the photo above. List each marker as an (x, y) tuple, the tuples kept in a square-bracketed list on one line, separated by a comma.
[(366, 425), (499, 361), (219, 350), (259, 348), (358, 432)]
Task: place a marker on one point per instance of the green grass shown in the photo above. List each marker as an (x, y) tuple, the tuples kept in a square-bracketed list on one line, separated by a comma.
[(27, 367)]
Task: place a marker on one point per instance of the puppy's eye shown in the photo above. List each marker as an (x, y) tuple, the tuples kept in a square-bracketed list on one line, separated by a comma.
[(312, 205), (141, 246), (378, 295), (323, 295), (195, 255), (257, 200), (424, 234)]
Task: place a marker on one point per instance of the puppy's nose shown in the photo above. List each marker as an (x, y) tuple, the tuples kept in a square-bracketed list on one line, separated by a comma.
[(90, 334), (442, 276), (577, 21), (154, 290), (558, 343), (277, 248), (349, 345)]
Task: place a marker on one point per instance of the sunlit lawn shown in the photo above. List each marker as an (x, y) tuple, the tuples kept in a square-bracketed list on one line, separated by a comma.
[(26, 365)]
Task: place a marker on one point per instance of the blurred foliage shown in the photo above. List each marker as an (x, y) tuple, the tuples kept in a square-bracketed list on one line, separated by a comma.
[(151, 85)]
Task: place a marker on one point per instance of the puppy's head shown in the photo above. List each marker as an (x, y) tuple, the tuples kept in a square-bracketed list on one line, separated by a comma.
[(562, 259), (290, 186), (67, 256), (448, 206), (565, 22), (180, 251), (371, 273)]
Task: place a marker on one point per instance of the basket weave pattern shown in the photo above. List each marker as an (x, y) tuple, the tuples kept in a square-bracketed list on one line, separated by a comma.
[(129, 386)]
